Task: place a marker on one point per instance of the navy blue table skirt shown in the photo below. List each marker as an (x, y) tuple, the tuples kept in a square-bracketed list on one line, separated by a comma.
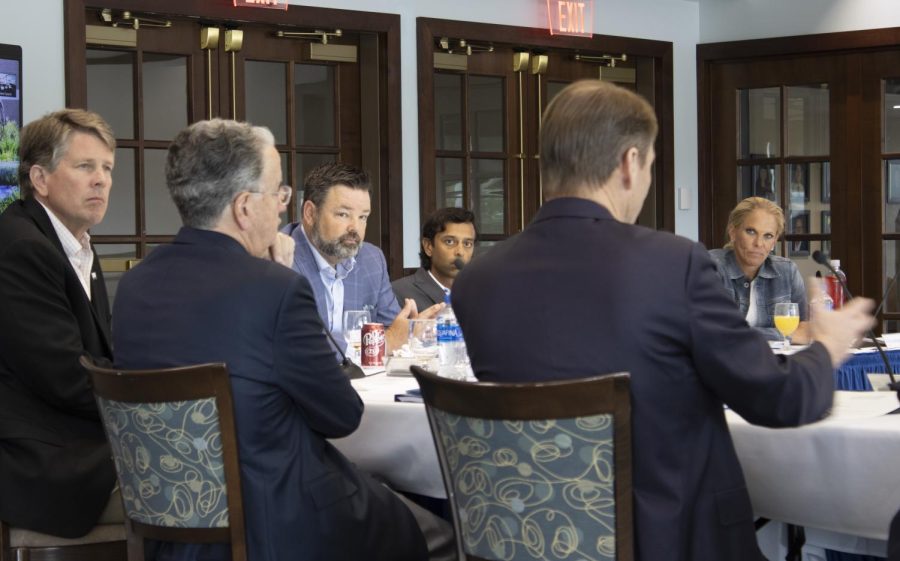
[(852, 375)]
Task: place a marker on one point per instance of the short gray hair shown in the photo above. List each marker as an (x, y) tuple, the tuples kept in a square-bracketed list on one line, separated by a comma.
[(209, 163)]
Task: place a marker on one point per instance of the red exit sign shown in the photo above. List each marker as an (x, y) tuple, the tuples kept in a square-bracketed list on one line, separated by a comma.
[(272, 4), (570, 17)]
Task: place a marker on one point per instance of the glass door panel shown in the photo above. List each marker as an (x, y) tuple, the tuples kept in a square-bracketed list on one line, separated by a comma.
[(759, 180), (448, 102), (314, 95), (808, 123), (486, 124), (788, 180), (891, 115), (120, 215), (449, 182), (759, 123), (110, 88), (165, 95), (161, 214), (489, 194), (265, 96)]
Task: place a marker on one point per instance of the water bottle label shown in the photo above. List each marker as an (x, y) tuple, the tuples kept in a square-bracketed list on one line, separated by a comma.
[(448, 333)]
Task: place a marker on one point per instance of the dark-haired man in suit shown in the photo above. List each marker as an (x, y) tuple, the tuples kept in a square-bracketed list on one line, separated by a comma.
[(583, 291), (56, 474), (448, 240)]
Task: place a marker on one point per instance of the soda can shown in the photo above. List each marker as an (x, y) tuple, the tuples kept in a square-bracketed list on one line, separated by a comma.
[(373, 344)]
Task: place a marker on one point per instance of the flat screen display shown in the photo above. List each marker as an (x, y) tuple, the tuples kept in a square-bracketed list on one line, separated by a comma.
[(10, 122)]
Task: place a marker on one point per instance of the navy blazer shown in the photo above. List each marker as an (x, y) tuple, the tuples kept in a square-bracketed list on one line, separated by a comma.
[(56, 474), (578, 293), (205, 299)]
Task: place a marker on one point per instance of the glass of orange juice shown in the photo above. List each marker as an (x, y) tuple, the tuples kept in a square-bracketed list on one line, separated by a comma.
[(787, 319)]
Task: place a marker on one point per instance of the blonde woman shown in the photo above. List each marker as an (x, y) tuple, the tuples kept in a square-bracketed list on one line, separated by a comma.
[(754, 277)]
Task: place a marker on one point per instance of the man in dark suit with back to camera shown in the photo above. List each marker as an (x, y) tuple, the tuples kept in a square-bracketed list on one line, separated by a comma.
[(583, 291), (216, 294), (448, 236), (56, 474)]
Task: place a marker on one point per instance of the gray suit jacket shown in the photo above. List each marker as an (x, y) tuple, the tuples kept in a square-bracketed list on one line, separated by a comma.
[(420, 287)]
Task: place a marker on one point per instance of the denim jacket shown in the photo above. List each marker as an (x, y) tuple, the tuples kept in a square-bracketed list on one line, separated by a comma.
[(779, 280)]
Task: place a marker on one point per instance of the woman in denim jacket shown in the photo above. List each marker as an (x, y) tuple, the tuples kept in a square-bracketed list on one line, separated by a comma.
[(755, 279)]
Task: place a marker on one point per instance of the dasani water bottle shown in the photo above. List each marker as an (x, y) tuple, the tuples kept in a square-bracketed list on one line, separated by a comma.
[(453, 361)]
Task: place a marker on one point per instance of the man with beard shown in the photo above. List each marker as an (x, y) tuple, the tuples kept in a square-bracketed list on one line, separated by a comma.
[(345, 272)]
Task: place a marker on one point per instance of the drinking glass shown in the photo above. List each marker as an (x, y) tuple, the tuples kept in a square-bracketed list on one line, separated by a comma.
[(353, 322), (423, 341), (787, 319)]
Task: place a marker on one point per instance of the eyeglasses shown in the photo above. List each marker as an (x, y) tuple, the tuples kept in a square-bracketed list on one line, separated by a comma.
[(283, 194)]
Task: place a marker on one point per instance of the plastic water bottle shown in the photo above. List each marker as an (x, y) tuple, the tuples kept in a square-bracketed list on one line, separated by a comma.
[(452, 357), (835, 289)]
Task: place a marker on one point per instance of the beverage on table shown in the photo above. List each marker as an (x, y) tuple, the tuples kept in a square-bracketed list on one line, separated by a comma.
[(352, 330), (787, 319)]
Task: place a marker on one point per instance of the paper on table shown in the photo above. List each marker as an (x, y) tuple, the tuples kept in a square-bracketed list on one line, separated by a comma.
[(863, 405), (369, 370)]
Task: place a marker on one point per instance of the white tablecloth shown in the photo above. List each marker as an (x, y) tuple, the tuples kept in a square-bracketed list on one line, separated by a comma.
[(393, 440), (839, 475)]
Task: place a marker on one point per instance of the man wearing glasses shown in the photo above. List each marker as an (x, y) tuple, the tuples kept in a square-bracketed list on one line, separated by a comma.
[(448, 240), (215, 294)]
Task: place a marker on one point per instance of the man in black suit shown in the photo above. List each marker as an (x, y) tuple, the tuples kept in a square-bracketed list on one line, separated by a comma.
[(583, 291), (214, 295), (56, 474), (447, 236)]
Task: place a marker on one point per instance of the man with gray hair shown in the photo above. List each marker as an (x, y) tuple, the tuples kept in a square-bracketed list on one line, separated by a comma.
[(214, 295)]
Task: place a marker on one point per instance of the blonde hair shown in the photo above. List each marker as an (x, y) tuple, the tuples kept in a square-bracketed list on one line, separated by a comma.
[(743, 209)]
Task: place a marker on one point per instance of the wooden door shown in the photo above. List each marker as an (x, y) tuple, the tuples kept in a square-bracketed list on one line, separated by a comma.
[(776, 130)]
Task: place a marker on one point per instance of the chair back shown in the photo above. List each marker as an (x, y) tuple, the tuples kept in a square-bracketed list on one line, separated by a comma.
[(535, 470), (175, 449)]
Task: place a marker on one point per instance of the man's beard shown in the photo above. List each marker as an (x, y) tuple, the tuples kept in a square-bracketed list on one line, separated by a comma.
[(335, 248)]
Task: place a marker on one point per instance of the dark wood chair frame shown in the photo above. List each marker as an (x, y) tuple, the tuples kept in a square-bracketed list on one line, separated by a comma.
[(596, 395), (182, 384), (102, 551)]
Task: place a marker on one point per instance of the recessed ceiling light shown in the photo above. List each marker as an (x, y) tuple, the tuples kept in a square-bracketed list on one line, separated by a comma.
[(897, 107)]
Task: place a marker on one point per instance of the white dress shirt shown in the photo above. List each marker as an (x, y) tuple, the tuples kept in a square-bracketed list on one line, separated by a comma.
[(78, 251)]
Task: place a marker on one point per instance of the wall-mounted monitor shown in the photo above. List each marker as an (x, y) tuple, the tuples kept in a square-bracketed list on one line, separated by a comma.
[(10, 121)]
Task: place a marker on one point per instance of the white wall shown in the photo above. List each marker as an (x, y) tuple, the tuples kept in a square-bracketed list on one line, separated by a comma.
[(38, 27), (733, 20)]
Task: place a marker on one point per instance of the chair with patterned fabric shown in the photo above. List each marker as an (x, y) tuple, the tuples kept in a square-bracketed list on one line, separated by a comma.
[(175, 449), (535, 470)]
